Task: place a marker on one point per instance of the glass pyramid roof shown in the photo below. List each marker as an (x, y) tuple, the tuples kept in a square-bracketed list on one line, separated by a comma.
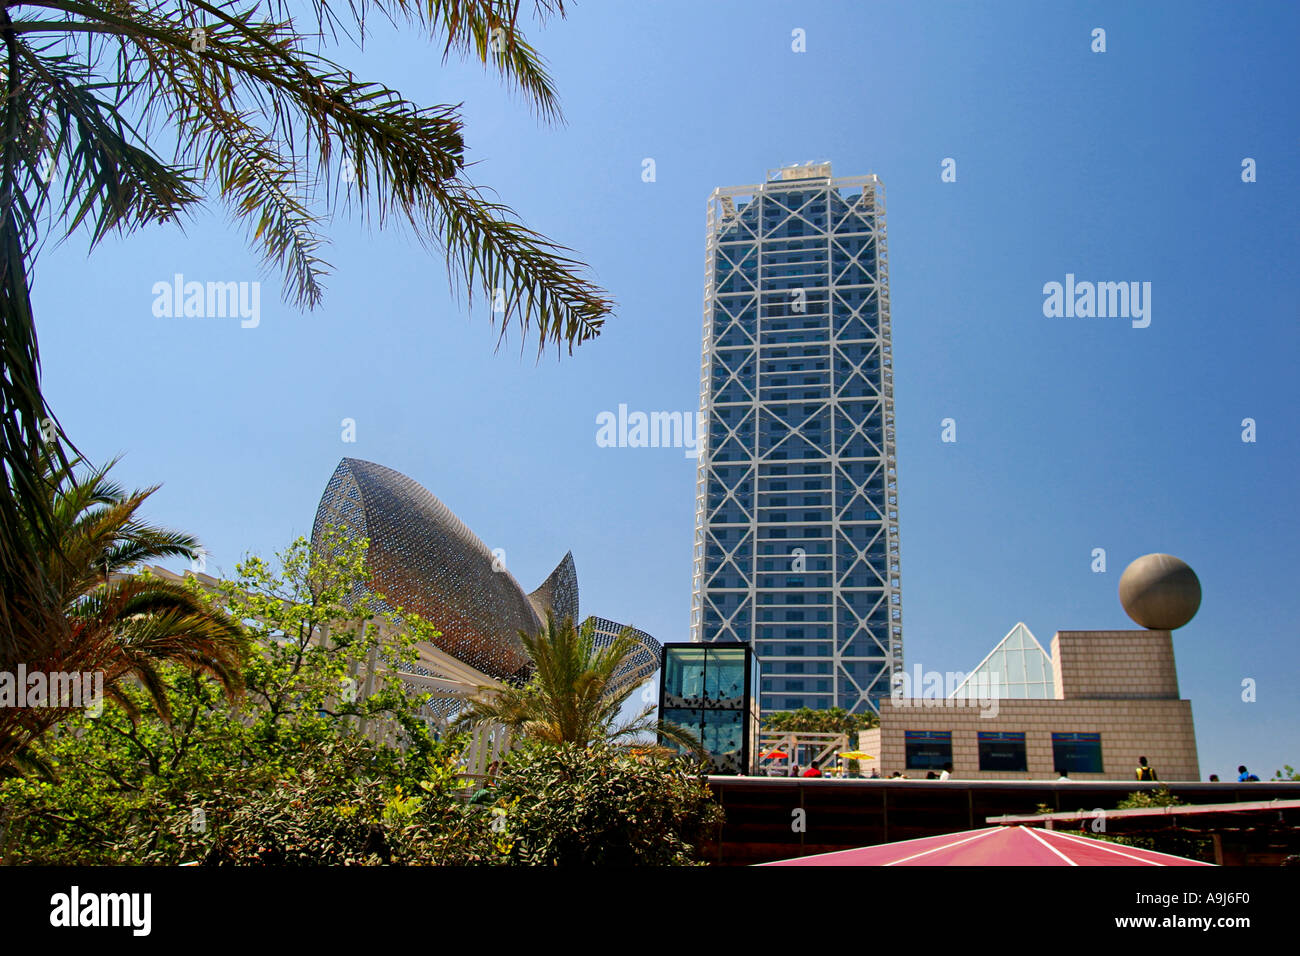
[(1018, 668)]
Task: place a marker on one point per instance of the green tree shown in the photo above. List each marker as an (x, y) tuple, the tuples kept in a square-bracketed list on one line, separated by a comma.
[(576, 693), (287, 775), (832, 720), (577, 804), (268, 769), (319, 632), (93, 92), (1287, 772), (97, 618), (329, 806)]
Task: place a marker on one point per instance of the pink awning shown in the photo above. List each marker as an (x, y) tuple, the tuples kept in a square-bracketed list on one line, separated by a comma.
[(996, 846)]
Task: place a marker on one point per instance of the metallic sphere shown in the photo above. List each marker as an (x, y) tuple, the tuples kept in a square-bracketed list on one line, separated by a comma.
[(1160, 592)]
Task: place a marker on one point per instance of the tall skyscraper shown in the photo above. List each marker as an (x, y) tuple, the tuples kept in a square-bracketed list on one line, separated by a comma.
[(796, 520)]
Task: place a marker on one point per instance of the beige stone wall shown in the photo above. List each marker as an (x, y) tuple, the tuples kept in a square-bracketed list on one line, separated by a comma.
[(869, 742), (1160, 730), (1114, 665)]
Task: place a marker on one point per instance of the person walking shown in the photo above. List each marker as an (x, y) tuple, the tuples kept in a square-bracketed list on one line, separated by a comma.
[(1144, 770), (947, 772), (813, 770), (1245, 776)]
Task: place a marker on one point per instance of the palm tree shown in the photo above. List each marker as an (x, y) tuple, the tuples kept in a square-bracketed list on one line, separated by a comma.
[(576, 693), (121, 625), (241, 93), (831, 720)]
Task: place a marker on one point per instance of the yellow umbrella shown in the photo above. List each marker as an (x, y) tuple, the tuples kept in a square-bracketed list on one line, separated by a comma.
[(856, 755)]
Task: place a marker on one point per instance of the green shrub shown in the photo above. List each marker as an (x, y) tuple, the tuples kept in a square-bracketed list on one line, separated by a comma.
[(337, 809), (599, 805)]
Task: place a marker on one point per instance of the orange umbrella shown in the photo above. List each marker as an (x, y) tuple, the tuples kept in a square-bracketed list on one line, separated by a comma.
[(774, 755)]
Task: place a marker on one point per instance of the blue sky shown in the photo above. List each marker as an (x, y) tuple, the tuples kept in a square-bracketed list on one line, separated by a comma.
[(1072, 433)]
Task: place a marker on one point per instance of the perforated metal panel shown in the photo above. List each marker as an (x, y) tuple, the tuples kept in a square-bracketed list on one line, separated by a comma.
[(643, 663), (559, 592), (422, 558)]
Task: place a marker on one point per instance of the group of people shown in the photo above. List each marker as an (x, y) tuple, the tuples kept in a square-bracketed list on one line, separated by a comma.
[(945, 774), (815, 769), (1143, 771), (1243, 776)]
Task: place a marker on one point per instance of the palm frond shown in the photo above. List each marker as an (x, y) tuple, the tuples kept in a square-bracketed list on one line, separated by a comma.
[(90, 86), (576, 693), (94, 618)]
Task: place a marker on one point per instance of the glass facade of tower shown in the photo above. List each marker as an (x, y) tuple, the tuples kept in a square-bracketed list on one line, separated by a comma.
[(796, 530)]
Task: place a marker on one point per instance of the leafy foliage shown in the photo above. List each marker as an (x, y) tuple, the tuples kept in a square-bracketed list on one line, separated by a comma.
[(95, 617), (287, 775), (94, 92), (832, 720), (316, 639), (578, 805), (339, 806), (284, 134), (262, 771), (576, 693)]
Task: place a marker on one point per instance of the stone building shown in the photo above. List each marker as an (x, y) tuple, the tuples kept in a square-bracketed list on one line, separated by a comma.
[(1114, 699)]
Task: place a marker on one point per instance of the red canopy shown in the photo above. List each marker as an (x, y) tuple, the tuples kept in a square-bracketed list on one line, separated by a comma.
[(996, 846)]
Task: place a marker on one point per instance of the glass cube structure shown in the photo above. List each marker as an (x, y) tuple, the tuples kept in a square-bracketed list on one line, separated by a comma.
[(708, 689)]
